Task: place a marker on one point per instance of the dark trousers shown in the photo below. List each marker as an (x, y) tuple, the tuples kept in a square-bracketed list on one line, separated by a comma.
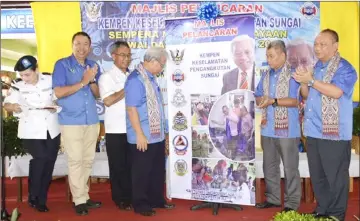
[(148, 176), (44, 153), (287, 150), (329, 163), (119, 158)]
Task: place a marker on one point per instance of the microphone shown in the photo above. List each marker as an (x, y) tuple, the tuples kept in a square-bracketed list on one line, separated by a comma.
[(9, 85)]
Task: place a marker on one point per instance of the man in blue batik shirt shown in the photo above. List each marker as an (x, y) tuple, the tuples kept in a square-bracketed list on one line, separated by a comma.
[(146, 128), (328, 124), (277, 96), (74, 83)]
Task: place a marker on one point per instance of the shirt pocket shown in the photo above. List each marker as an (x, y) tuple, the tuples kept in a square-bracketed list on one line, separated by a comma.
[(30, 98)]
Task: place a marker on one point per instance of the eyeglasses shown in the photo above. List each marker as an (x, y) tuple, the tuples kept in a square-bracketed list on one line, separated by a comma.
[(161, 65), (124, 55)]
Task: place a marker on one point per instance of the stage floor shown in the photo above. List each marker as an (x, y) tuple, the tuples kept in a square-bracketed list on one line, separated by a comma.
[(61, 210)]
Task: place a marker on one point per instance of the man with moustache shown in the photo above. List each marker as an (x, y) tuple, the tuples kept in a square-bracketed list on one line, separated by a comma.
[(276, 95), (242, 77), (75, 85), (328, 124), (111, 86)]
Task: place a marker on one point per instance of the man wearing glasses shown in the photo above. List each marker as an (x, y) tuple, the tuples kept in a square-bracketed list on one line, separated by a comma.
[(111, 86), (146, 128)]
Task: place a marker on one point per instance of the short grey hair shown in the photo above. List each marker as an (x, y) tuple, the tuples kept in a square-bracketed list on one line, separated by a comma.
[(155, 53), (277, 44)]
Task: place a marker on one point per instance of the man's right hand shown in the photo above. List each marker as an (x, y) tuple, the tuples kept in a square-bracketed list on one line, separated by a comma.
[(16, 108), (89, 74), (141, 142)]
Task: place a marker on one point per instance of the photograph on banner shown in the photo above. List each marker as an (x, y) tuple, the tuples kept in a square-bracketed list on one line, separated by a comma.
[(232, 128), (200, 108), (201, 145), (204, 58), (222, 180)]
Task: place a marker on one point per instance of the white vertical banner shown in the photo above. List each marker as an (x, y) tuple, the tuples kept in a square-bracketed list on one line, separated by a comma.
[(210, 107)]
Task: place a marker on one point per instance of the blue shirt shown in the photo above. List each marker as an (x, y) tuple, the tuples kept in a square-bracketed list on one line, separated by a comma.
[(344, 78), (78, 108), (135, 96), (293, 112)]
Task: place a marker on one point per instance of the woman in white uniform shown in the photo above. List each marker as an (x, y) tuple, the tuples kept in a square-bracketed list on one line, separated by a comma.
[(32, 101)]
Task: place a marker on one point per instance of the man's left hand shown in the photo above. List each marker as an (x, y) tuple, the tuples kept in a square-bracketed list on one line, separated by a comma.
[(265, 102), (303, 75)]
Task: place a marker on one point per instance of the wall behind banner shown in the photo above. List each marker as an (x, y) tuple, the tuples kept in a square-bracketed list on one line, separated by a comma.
[(55, 24), (343, 17)]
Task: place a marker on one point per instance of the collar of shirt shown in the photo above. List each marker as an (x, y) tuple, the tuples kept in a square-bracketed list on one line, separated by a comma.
[(151, 76), (73, 61), (117, 70), (248, 71), (272, 70), (41, 78), (320, 64)]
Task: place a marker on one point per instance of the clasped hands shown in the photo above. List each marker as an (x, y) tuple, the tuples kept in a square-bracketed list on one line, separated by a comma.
[(89, 74), (265, 102), (303, 75)]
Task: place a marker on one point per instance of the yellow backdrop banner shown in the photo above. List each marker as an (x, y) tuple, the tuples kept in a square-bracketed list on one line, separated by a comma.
[(55, 24), (343, 17)]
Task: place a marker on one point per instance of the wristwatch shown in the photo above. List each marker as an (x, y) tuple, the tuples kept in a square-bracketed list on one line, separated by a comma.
[(275, 104), (311, 83), (92, 82)]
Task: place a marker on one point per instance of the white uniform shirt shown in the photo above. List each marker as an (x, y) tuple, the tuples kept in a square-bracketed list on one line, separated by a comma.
[(115, 116), (34, 123)]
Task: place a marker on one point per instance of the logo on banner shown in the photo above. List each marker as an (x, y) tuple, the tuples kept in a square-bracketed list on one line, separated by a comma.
[(177, 56), (178, 77), (100, 107), (178, 99), (93, 10), (180, 122), (308, 10), (180, 143), (180, 167)]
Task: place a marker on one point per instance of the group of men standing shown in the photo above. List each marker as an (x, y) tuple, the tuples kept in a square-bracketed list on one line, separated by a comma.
[(135, 142), (327, 90), (135, 125)]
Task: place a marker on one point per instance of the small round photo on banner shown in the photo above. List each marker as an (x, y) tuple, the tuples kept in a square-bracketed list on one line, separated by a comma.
[(232, 125)]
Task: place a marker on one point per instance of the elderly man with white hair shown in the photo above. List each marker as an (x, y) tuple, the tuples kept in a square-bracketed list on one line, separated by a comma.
[(145, 123), (243, 76), (300, 54)]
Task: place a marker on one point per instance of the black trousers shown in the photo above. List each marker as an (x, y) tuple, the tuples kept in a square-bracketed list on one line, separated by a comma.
[(44, 153), (148, 176), (119, 157), (329, 163)]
